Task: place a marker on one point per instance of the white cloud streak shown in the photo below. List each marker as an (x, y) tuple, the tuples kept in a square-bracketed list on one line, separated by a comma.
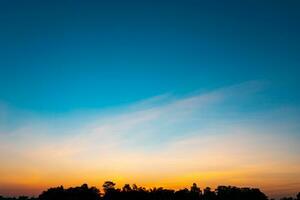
[(165, 140)]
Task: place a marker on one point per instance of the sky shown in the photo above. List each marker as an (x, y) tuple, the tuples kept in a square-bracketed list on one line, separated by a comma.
[(158, 93)]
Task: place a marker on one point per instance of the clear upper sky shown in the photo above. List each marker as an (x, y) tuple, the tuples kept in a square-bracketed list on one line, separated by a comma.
[(159, 93), (57, 56)]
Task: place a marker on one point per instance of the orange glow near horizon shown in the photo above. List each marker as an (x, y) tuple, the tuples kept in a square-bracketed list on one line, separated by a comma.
[(146, 146), (34, 186), (220, 166)]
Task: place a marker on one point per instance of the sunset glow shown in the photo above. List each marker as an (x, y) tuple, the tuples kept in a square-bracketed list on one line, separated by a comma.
[(158, 94)]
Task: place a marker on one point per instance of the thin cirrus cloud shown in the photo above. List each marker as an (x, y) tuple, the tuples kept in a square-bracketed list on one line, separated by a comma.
[(165, 141)]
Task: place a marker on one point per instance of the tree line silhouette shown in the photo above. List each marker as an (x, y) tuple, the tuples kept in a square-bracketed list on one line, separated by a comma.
[(133, 192)]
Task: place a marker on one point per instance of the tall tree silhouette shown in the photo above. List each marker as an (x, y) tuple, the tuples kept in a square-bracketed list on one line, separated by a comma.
[(108, 186)]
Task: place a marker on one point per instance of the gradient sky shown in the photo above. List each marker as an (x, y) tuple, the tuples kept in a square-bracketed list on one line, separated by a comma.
[(158, 93)]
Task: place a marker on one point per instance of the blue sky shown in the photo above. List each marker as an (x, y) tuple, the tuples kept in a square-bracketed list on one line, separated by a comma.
[(106, 89), (60, 56)]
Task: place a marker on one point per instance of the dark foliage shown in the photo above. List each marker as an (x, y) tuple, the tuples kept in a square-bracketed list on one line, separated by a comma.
[(140, 193), (77, 193)]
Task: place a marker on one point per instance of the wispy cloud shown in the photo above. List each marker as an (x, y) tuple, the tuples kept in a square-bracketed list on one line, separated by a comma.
[(166, 140)]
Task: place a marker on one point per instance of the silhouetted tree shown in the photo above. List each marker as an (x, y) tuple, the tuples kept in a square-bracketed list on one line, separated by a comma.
[(195, 189), (234, 193), (195, 192), (126, 188), (182, 194), (140, 193), (208, 194), (134, 187), (78, 193), (57, 193), (108, 186)]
